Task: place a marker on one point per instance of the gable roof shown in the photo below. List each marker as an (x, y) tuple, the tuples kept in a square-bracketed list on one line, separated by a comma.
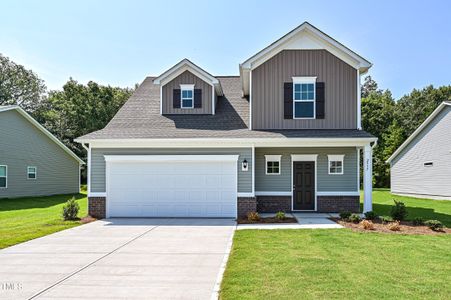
[(41, 128), (305, 36), (140, 118), (187, 65), (418, 130)]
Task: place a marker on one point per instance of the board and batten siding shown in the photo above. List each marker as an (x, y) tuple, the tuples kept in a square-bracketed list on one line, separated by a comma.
[(187, 78), (325, 182), (98, 162), (340, 81), (432, 144), (23, 145)]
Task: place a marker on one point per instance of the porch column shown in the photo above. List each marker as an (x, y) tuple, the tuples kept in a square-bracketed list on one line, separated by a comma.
[(367, 178)]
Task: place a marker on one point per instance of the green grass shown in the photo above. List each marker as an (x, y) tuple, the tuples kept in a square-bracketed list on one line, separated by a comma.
[(23, 219), (425, 208), (342, 264)]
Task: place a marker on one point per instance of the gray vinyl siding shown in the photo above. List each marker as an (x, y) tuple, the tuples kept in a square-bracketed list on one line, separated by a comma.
[(187, 78), (408, 173), (23, 145), (325, 182), (340, 90), (98, 162)]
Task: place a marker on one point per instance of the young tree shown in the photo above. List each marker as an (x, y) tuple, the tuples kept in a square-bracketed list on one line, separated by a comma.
[(19, 86)]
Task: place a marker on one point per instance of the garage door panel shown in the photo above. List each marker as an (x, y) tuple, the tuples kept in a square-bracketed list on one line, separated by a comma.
[(172, 189)]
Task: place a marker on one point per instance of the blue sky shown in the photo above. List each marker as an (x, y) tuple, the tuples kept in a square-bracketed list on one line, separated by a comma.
[(121, 42)]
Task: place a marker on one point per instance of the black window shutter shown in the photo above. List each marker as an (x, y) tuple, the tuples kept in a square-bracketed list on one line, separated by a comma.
[(288, 100), (176, 98), (197, 98), (320, 100)]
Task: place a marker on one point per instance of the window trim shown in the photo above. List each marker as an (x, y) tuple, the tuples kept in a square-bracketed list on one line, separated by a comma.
[(304, 80), (35, 173), (336, 157), (186, 87), (6, 176), (273, 158)]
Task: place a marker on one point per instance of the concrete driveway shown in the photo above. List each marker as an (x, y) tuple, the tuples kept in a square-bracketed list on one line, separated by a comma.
[(120, 258)]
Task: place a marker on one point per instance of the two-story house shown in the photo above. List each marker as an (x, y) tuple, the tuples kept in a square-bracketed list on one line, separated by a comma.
[(284, 135)]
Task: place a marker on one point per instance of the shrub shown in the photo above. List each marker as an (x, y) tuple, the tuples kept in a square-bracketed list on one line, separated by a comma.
[(280, 215), (367, 225), (344, 215), (70, 210), (399, 211), (418, 221), (435, 225), (253, 216), (370, 215), (394, 226), (355, 218), (386, 219)]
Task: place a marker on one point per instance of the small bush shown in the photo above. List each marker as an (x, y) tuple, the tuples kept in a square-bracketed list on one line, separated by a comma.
[(280, 215), (70, 210), (399, 211), (367, 225), (370, 215), (418, 221), (435, 225), (386, 219), (355, 218), (394, 226), (253, 216), (344, 215)]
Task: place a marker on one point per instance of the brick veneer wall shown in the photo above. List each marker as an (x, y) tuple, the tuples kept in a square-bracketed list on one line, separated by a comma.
[(245, 205), (271, 204), (338, 203), (96, 207)]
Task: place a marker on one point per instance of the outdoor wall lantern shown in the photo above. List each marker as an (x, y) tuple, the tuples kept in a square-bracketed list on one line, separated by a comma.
[(244, 165)]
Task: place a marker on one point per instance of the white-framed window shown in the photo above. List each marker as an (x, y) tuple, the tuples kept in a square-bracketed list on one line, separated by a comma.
[(336, 164), (32, 172), (304, 97), (3, 177), (187, 95), (272, 164)]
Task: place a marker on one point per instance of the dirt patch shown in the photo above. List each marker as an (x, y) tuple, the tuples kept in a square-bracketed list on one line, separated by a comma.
[(87, 219), (267, 221), (406, 227)]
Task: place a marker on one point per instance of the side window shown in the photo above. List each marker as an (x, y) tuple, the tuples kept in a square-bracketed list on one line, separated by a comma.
[(3, 176), (336, 166), (272, 164), (31, 172)]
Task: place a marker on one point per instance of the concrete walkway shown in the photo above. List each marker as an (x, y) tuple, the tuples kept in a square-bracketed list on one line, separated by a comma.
[(120, 258), (305, 221)]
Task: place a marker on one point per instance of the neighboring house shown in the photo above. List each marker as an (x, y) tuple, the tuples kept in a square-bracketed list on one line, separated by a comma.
[(32, 161), (421, 166), (285, 135)]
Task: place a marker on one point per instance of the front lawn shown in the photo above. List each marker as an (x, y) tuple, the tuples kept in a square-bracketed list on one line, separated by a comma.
[(23, 219), (337, 264), (425, 208)]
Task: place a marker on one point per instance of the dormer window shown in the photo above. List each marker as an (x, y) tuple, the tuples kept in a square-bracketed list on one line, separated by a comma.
[(187, 95), (304, 97)]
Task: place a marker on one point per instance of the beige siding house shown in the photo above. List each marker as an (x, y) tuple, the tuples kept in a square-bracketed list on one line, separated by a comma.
[(421, 167), (32, 161), (284, 135)]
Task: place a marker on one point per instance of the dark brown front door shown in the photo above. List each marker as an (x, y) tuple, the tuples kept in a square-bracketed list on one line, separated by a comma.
[(303, 185)]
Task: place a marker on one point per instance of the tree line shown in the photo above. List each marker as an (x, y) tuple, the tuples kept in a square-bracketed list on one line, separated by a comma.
[(79, 109)]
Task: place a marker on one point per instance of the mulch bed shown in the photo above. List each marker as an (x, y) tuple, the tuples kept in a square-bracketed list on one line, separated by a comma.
[(406, 227), (267, 221), (87, 219)]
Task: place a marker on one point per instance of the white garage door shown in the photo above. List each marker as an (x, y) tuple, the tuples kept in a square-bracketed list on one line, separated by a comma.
[(172, 186)]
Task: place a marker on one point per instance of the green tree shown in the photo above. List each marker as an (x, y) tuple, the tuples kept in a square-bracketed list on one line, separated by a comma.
[(19, 86)]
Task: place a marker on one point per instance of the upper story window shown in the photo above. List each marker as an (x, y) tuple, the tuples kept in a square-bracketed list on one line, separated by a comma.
[(31, 172), (304, 97), (187, 95), (336, 164), (3, 176)]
